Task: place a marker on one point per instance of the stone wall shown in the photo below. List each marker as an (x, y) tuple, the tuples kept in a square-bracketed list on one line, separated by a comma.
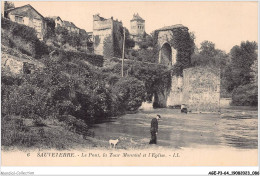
[(225, 102), (176, 95), (201, 89), (103, 42), (108, 37)]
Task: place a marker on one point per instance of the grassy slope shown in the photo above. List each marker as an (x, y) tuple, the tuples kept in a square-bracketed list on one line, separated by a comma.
[(52, 134)]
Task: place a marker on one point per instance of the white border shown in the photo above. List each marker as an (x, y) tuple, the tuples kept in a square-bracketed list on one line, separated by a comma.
[(132, 170)]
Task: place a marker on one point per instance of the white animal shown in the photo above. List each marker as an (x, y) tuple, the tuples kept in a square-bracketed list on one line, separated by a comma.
[(113, 143)]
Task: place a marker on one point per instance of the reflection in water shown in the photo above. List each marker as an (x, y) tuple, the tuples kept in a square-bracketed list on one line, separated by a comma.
[(178, 130)]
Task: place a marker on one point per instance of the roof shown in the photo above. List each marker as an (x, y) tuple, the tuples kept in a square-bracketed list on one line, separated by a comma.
[(55, 17), (82, 31), (176, 26), (28, 5), (69, 24), (136, 17)]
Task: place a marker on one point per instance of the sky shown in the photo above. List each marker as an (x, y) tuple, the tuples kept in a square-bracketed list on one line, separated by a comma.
[(224, 23)]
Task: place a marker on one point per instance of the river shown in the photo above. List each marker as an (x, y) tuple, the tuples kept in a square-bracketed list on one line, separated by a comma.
[(232, 128)]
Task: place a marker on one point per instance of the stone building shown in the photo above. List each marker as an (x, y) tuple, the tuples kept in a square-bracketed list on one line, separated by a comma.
[(137, 27), (58, 21), (71, 26), (28, 16), (198, 88), (107, 36)]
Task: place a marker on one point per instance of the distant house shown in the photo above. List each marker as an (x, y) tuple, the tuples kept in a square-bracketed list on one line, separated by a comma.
[(58, 21), (28, 16), (90, 34), (71, 27)]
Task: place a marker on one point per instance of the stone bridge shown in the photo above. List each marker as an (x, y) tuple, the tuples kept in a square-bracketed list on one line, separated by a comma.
[(167, 53), (198, 88)]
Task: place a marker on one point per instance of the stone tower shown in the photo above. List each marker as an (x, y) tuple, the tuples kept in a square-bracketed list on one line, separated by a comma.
[(137, 27), (107, 36)]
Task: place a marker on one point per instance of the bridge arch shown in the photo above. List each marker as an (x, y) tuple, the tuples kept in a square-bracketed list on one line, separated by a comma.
[(165, 56)]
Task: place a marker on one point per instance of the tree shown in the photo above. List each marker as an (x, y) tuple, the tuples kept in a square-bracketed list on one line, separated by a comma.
[(242, 58), (242, 74), (130, 93), (208, 55), (129, 43), (62, 34), (50, 33), (74, 39), (147, 41), (254, 72), (8, 5)]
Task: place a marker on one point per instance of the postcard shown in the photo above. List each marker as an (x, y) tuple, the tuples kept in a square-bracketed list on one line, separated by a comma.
[(142, 83)]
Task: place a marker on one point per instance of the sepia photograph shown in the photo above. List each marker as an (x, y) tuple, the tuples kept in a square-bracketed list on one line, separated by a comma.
[(129, 83)]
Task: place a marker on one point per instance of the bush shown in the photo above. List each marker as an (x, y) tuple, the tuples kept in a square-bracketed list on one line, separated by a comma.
[(14, 132), (25, 100), (26, 36), (41, 49), (25, 32), (68, 56), (130, 93), (50, 33), (245, 95)]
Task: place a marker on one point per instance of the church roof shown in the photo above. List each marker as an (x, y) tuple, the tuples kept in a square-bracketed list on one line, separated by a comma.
[(136, 17)]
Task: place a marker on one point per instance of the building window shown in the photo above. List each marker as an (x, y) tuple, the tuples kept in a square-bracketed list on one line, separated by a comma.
[(19, 19)]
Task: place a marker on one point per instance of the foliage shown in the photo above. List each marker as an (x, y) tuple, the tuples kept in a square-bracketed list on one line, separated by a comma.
[(27, 36), (208, 55), (240, 74), (242, 58), (14, 132), (143, 55), (254, 72), (41, 49), (117, 40), (74, 39), (69, 86), (50, 23), (20, 30), (96, 60), (130, 93), (245, 95), (61, 34), (25, 100), (156, 78), (183, 42), (147, 41), (8, 5), (129, 43)]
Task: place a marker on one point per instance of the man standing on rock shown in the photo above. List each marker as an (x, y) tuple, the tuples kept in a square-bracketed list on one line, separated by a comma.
[(154, 129)]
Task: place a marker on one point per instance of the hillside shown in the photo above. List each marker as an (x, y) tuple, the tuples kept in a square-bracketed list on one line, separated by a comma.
[(51, 96)]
